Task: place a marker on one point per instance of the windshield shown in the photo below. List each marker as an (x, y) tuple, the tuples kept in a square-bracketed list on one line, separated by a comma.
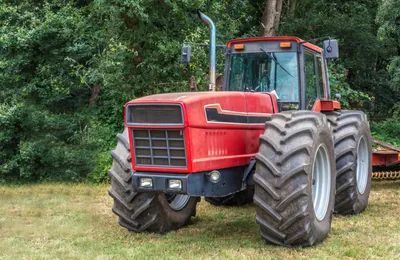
[(265, 72)]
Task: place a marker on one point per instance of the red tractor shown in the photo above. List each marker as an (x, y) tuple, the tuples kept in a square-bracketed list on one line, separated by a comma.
[(273, 137)]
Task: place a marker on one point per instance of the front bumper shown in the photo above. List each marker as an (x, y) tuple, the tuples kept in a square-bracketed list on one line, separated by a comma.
[(195, 184)]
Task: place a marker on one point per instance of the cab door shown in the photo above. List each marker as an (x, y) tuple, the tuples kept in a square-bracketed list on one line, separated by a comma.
[(314, 80)]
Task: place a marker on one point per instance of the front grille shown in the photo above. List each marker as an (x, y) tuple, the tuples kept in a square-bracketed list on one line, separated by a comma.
[(155, 114), (159, 148)]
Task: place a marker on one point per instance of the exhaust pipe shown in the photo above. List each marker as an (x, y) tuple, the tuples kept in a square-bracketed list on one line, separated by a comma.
[(211, 25)]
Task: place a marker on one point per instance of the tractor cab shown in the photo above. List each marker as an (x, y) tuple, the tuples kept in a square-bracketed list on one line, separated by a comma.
[(293, 70)]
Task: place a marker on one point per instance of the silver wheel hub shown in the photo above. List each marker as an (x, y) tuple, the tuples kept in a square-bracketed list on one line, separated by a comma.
[(362, 165), (177, 201), (321, 182)]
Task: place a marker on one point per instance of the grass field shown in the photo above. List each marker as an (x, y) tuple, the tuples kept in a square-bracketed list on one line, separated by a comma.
[(49, 221)]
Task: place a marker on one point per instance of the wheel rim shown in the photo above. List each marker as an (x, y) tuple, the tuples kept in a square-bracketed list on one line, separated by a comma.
[(321, 182), (362, 165), (177, 201)]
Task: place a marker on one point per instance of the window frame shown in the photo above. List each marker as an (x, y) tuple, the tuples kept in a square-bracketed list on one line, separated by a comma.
[(321, 72), (318, 70)]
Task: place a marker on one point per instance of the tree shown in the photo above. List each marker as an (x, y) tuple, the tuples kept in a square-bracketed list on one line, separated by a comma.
[(388, 18), (67, 67), (271, 17)]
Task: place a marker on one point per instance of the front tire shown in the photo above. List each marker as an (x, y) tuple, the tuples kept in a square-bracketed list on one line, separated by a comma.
[(142, 211), (294, 179), (353, 149)]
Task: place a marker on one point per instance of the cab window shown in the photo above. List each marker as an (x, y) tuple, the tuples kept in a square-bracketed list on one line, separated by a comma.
[(313, 78), (267, 72)]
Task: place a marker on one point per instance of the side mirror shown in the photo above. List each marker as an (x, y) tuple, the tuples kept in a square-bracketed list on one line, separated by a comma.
[(337, 96), (331, 49), (185, 54)]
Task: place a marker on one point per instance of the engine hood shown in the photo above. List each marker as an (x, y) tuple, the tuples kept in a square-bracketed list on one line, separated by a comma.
[(186, 97), (223, 107)]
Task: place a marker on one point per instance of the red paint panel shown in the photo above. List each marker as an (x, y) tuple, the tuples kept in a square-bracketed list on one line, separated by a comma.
[(218, 148), (213, 145), (381, 159), (378, 160), (253, 140), (275, 103), (258, 103), (326, 105)]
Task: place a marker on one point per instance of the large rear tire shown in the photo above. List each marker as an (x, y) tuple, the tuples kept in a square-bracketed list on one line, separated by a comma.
[(139, 212), (353, 149), (294, 179), (237, 199)]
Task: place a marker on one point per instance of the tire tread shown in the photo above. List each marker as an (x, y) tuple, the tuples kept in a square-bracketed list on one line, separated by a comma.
[(345, 127), (139, 212), (281, 196)]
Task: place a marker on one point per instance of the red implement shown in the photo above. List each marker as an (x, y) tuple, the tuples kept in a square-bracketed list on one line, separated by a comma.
[(385, 156)]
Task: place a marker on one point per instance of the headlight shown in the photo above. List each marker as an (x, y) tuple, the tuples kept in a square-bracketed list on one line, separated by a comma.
[(215, 176), (146, 182), (175, 184)]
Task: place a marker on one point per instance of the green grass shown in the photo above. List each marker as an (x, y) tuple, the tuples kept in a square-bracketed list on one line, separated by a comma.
[(50, 221)]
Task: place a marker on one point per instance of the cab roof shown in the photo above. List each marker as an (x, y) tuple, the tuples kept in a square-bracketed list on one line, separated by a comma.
[(275, 39)]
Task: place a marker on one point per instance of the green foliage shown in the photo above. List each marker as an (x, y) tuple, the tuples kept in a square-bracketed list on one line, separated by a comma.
[(350, 98), (67, 67), (394, 72), (388, 131), (388, 19), (39, 145), (396, 112), (364, 56), (49, 132)]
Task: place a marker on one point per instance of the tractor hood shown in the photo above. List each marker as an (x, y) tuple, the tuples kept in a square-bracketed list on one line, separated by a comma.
[(200, 108)]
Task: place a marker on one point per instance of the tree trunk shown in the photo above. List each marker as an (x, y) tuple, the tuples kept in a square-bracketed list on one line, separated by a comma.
[(193, 84), (268, 18), (278, 15), (95, 94), (292, 8), (271, 17)]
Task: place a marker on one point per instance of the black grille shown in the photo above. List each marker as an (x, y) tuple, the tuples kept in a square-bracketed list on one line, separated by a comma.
[(159, 148), (155, 114)]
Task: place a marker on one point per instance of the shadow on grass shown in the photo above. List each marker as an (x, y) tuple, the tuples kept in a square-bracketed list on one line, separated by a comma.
[(232, 227)]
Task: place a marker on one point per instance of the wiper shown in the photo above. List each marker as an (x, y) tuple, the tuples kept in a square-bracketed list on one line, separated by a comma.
[(276, 61)]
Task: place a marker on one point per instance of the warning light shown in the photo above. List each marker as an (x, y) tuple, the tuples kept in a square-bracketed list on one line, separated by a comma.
[(285, 45), (238, 47)]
